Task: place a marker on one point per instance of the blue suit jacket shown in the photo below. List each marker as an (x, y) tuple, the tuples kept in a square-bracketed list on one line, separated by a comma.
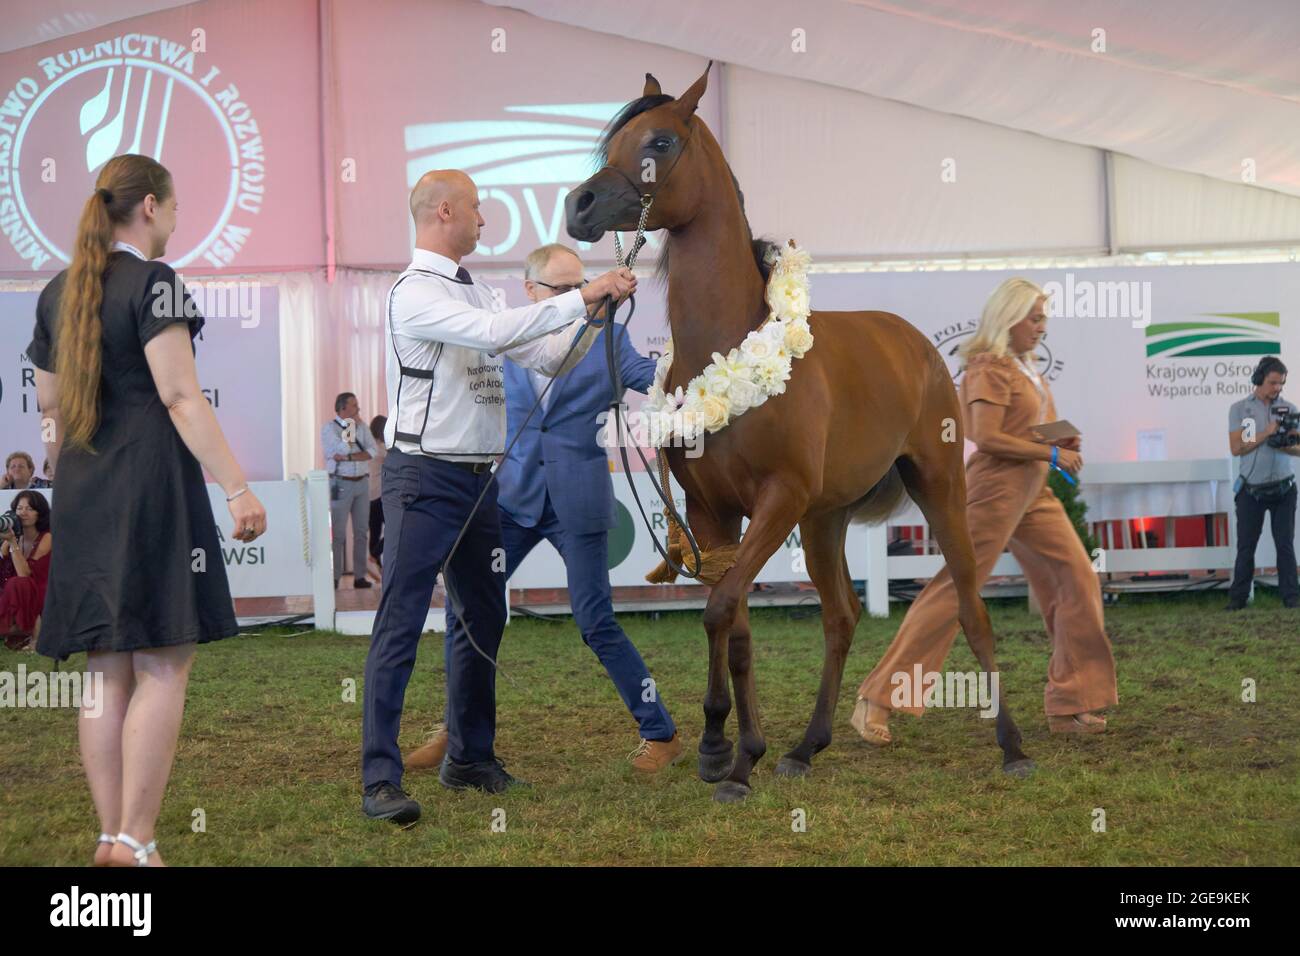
[(559, 454)]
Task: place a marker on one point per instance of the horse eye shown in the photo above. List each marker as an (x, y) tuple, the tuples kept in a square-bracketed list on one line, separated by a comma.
[(662, 144)]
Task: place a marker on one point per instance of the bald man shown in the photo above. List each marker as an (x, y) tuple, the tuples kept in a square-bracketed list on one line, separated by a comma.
[(445, 337)]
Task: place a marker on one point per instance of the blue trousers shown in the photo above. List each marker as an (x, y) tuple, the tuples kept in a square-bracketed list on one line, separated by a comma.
[(586, 562), (426, 501)]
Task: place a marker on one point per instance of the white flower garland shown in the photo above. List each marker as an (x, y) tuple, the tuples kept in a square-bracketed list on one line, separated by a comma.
[(748, 375)]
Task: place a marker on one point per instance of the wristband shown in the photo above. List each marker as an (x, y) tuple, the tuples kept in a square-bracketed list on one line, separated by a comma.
[(1056, 452), (230, 498)]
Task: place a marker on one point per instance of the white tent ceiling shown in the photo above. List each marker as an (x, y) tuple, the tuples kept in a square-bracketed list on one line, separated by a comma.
[(1200, 86), (27, 23), (1198, 100)]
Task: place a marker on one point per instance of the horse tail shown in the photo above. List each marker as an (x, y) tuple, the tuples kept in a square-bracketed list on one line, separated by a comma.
[(879, 503)]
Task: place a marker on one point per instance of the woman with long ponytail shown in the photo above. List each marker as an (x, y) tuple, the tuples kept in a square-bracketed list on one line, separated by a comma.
[(143, 580)]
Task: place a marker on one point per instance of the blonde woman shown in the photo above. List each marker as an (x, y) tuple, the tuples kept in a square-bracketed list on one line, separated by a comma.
[(115, 372), (1009, 504)]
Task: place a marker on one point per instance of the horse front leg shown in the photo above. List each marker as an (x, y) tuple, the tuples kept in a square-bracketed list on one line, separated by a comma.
[(716, 751), (727, 618)]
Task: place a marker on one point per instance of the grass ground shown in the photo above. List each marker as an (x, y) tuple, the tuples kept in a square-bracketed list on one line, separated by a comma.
[(1188, 773)]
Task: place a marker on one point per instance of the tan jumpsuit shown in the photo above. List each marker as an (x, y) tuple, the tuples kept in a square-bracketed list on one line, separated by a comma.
[(1009, 503)]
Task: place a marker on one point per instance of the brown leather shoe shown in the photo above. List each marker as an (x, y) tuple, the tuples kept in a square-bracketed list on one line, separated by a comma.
[(651, 756), (429, 757)]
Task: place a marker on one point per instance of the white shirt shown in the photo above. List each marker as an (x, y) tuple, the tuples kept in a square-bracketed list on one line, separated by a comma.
[(449, 335), (540, 382), (333, 441)]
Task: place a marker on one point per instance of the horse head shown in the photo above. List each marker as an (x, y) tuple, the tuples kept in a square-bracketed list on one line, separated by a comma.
[(650, 148)]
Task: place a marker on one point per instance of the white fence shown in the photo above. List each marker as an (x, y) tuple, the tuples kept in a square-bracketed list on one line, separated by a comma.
[(294, 557)]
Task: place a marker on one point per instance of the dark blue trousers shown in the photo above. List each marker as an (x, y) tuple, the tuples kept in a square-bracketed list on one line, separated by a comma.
[(586, 562), (426, 501), (1250, 524)]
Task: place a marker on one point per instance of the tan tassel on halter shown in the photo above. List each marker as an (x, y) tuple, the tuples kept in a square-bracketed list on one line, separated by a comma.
[(715, 562)]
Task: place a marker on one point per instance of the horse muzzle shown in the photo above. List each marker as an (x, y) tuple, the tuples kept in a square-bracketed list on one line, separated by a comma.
[(598, 205)]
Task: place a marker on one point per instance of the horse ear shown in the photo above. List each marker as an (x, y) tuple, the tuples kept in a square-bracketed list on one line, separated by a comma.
[(687, 103), (651, 86)]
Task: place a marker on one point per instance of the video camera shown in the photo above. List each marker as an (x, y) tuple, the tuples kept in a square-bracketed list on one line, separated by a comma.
[(1288, 426)]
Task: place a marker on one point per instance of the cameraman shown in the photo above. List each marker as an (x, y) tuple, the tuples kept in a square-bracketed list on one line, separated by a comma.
[(1267, 482)]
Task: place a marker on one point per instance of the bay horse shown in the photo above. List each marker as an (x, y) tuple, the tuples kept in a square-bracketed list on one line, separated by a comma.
[(864, 417)]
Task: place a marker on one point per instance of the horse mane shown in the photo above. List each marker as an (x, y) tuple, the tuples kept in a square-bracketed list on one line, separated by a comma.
[(759, 247)]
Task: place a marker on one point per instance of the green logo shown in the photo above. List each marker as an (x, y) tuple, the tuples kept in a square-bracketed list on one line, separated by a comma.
[(1237, 333), (622, 536)]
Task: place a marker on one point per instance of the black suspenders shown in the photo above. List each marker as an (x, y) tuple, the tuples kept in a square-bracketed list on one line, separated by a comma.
[(407, 370), (425, 373)]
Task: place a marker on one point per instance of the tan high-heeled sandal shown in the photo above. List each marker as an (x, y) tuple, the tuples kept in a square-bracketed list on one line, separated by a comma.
[(1075, 724), (875, 733)]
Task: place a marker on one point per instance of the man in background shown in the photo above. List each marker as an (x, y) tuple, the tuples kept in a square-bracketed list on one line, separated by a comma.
[(1267, 483), (348, 447)]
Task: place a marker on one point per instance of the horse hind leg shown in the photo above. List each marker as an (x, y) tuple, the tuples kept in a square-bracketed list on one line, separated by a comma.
[(936, 480), (823, 543)]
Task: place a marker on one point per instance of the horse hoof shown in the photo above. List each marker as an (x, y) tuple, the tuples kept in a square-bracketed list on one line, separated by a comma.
[(731, 792), (715, 767), (1020, 769), (792, 767)]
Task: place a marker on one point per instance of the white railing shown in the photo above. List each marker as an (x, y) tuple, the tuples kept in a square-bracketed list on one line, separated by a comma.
[(1214, 476), (293, 557)]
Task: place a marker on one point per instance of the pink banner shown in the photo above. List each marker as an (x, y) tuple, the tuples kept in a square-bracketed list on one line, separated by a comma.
[(514, 101), (226, 95)]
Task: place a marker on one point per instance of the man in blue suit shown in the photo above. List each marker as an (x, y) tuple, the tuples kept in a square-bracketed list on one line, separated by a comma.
[(555, 485)]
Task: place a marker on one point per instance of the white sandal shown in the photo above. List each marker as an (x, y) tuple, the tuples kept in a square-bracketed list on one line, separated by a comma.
[(141, 851), (104, 838)]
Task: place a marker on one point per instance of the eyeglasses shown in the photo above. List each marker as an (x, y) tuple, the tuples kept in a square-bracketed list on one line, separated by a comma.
[(561, 289)]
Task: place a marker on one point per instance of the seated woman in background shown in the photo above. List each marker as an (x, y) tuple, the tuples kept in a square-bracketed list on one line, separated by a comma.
[(24, 568)]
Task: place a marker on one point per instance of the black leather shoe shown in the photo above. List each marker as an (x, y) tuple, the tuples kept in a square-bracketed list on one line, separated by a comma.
[(1292, 604), (361, 583), (1234, 606), (488, 775), (384, 801)]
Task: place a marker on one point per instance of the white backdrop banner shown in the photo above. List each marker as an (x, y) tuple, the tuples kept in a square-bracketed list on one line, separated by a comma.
[(238, 362), (274, 565), (1144, 357)]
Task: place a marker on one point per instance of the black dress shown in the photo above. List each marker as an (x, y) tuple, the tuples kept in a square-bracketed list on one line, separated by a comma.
[(127, 519)]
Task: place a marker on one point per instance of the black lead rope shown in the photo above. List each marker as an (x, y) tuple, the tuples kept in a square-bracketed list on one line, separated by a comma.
[(458, 607), (616, 405), (665, 493)]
